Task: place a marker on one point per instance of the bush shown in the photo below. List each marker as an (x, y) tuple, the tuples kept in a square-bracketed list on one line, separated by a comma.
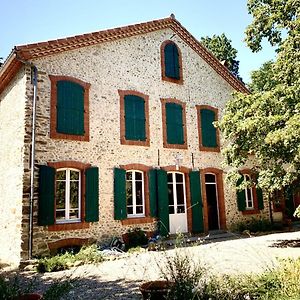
[(136, 237), (57, 290), (88, 254), (255, 225)]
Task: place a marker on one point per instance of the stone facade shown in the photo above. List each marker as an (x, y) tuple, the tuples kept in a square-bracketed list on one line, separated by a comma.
[(132, 63)]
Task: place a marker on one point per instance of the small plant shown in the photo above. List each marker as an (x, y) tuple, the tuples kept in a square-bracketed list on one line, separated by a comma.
[(88, 254), (136, 237), (297, 212), (57, 290)]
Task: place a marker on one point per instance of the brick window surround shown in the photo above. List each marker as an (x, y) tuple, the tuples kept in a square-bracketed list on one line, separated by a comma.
[(220, 192), (82, 167), (186, 172), (53, 111), (146, 218), (122, 94), (201, 147), (255, 209), (54, 246), (163, 67), (164, 123)]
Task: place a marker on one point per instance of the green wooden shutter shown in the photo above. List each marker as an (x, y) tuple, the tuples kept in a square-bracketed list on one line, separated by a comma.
[(152, 178), (92, 194), (208, 131), (46, 195), (241, 197), (174, 123), (70, 108), (260, 199), (163, 202), (171, 61), (120, 194), (135, 120), (196, 202)]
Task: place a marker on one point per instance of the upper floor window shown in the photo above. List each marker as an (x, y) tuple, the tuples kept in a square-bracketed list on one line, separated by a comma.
[(174, 124), (208, 134), (134, 123), (135, 198), (171, 62), (248, 193), (69, 108)]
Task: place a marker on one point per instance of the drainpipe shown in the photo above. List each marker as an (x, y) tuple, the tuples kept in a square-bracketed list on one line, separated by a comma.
[(32, 160)]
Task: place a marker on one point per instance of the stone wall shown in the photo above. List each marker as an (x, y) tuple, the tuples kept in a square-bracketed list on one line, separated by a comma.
[(127, 64), (12, 127)]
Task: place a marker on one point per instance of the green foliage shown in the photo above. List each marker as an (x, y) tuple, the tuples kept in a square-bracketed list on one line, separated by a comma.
[(255, 225), (222, 49), (136, 237), (266, 124), (57, 290), (88, 254), (297, 212)]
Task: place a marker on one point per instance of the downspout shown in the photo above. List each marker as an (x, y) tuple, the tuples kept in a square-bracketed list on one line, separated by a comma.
[(32, 161)]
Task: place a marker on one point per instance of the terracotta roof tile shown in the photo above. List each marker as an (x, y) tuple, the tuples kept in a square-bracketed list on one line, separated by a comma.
[(36, 50)]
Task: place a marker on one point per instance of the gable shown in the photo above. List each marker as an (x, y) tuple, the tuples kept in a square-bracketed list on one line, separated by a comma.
[(37, 50)]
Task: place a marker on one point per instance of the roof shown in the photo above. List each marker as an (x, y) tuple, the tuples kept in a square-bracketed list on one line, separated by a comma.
[(25, 53)]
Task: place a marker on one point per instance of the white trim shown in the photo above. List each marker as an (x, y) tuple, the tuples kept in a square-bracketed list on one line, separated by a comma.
[(246, 194), (133, 182)]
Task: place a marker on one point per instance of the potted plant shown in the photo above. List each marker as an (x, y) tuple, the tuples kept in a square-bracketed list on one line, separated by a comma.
[(156, 290)]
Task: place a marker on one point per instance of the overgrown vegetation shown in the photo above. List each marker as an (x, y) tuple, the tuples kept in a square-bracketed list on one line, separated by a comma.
[(192, 281), (88, 254), (135, 238), (255, 225)]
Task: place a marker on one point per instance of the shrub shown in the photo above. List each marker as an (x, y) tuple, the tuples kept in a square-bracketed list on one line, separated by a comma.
[(136, 237), (255, 225), (89, 254)]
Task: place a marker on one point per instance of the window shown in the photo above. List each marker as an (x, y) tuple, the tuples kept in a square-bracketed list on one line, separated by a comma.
[(248, 193), (171, 64), (134, 123), (176, 192), (249, 199), (135, 198), (208, 134), (69, 108), (68, 194), (174, 124)]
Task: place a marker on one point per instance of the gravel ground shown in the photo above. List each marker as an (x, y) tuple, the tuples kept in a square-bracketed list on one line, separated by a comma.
[(121, 278)]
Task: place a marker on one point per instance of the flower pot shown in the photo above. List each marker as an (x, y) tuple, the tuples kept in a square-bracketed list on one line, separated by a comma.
[(31, 296), (155, 290)]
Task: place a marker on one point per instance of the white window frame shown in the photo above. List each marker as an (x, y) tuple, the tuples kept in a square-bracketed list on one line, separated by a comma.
[(174, 184), (67, 196), (133, 182), (248, 207)]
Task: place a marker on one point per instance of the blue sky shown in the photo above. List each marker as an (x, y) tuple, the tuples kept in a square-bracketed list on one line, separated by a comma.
[(28, 21)]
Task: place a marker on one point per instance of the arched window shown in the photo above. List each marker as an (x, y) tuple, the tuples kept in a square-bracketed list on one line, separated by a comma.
[(171, 62)]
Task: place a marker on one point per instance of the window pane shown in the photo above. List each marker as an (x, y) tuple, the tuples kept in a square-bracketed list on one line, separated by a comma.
[(139, 209), (129, 192), (60, 194), (74, 194), (60, 214), (170, 177), (170, 193), (180, 194), (180, 209), (179, 177), (74, 175), (61, 175), (210, 178), (138, 176), (129, 210), (171, 209), (139, 192), (74, 214), (128, 175)]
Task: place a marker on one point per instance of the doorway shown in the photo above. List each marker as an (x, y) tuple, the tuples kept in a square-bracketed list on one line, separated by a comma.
[(177, 202), (212, 201)]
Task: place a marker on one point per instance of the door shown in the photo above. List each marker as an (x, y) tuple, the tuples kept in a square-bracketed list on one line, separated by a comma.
[(177, 202), (212, 201)]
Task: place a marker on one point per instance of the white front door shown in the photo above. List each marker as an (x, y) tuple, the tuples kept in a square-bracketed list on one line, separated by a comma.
[(177, 202)]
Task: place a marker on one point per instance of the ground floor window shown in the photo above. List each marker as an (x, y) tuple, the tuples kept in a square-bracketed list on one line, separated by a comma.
[(176, 192)]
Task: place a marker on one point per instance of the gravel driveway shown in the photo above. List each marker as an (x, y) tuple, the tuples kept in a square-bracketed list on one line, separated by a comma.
[(120, 279)]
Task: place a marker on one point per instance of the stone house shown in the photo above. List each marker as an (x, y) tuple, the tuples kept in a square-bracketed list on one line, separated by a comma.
[(112, 130)]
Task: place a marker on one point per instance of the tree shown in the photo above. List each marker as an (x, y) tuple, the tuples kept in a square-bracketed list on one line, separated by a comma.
[(264, 126), (221, 47)]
